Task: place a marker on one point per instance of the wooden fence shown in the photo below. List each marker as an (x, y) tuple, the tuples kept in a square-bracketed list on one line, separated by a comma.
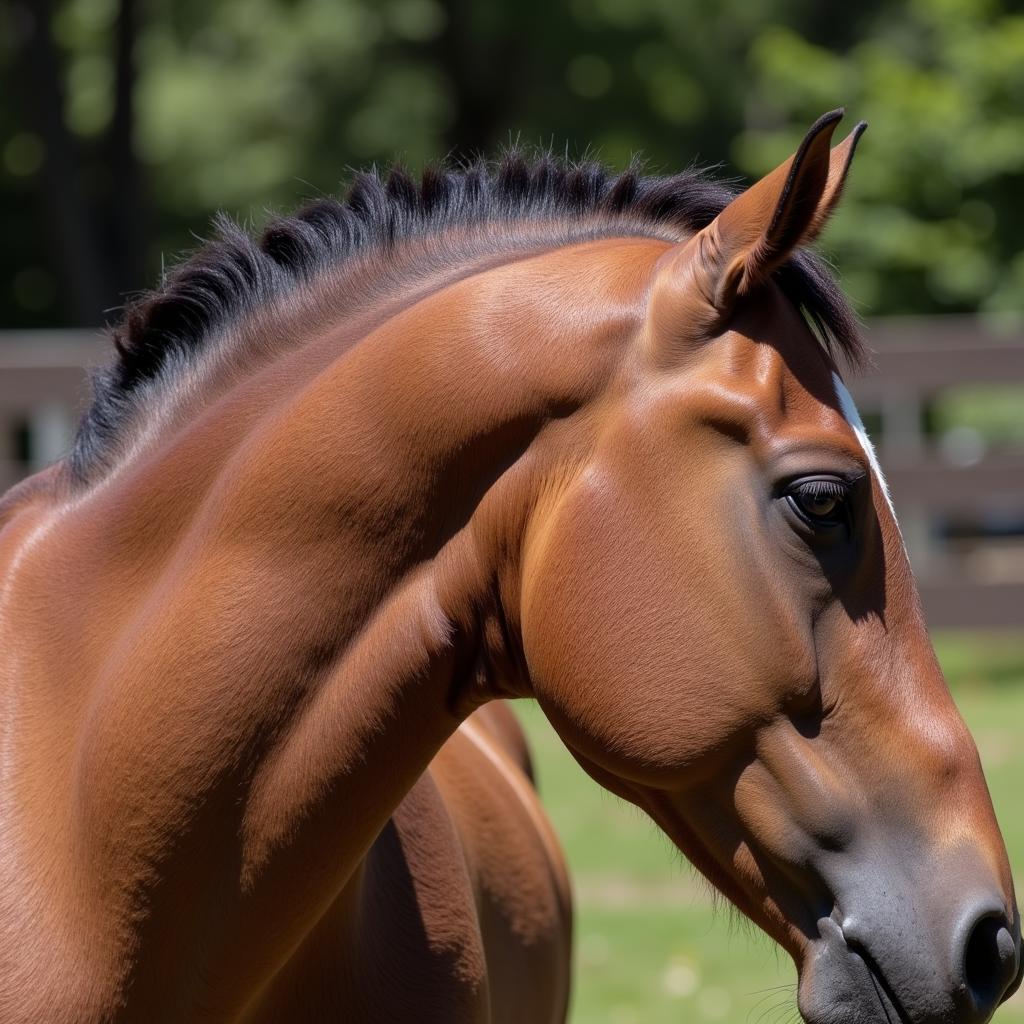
[(975, 579)]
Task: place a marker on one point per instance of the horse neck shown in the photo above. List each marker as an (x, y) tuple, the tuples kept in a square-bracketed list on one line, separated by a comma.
[(450, 417), (344, 569)]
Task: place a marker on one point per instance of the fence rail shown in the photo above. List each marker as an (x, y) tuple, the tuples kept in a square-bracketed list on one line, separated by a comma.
[(978, 581)]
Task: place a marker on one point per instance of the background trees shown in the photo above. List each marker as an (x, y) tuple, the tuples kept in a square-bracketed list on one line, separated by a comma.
[(126, 123)]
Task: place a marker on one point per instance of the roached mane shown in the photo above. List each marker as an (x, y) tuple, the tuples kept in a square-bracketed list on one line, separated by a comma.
[(236, 275)]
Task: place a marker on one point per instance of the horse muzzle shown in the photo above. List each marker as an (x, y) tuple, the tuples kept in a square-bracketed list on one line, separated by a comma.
[(902, 968)]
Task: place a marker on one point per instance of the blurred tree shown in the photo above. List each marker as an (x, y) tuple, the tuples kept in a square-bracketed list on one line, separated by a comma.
[(47, 148), (934, 220), (134, 120)]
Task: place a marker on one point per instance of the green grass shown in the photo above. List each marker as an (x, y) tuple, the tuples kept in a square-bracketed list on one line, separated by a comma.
[(650, 945)]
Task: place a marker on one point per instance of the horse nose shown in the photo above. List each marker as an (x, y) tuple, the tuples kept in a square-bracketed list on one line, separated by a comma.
[(990, 959)]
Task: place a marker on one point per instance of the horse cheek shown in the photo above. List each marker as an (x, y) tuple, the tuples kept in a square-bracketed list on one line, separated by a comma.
[(621, 651)]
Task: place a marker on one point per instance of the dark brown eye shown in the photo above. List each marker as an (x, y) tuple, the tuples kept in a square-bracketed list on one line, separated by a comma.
[(820, 505), (821, 502)]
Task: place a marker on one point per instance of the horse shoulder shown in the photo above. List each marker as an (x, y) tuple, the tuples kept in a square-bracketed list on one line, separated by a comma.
[(401, 941), (460, 912), (518, 872)]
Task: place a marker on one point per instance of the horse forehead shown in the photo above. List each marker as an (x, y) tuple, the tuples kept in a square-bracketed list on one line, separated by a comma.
[(771, 336), (749, 378)]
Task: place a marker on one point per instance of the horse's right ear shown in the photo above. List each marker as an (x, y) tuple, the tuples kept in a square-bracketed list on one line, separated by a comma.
[(757, 231)]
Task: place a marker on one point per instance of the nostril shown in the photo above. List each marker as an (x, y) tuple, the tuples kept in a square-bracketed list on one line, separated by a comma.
[(990, 960)]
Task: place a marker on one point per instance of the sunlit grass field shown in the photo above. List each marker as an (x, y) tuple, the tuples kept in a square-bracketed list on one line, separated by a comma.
[(650, 945)]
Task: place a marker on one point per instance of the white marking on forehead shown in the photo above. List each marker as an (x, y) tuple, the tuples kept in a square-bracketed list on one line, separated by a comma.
[(850, 414)]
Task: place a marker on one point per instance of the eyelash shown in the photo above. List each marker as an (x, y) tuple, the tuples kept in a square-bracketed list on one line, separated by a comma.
[(821, 488)]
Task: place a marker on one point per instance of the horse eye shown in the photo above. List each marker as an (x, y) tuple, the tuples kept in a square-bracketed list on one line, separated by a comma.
[(818, 504), (821, 502)]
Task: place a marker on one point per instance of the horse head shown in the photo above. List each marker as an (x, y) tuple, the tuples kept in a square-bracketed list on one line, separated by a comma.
[(540, 432), (719, 618)]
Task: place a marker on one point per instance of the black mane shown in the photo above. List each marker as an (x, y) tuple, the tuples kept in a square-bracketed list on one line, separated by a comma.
[(235, 274)]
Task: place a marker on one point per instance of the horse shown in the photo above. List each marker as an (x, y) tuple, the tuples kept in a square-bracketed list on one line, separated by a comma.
[(525, 429)]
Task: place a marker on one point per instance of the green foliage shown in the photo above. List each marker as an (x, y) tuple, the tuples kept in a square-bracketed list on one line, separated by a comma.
[(247, 105), (932, 221), (239, 103)]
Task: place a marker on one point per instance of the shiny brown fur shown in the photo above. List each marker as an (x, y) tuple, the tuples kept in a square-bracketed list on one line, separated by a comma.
[(243, 770)]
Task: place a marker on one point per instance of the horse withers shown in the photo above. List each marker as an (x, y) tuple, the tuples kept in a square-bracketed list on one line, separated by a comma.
[(533, 431)]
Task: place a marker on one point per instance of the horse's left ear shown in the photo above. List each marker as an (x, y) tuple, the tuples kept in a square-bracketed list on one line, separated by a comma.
[(762, 226)]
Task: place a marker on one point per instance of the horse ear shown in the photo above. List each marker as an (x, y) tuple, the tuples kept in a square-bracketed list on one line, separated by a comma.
[(762, 226), (838, 167), (787, 208)]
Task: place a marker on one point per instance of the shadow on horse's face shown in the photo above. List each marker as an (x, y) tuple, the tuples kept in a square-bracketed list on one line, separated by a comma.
[(720, 620)]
